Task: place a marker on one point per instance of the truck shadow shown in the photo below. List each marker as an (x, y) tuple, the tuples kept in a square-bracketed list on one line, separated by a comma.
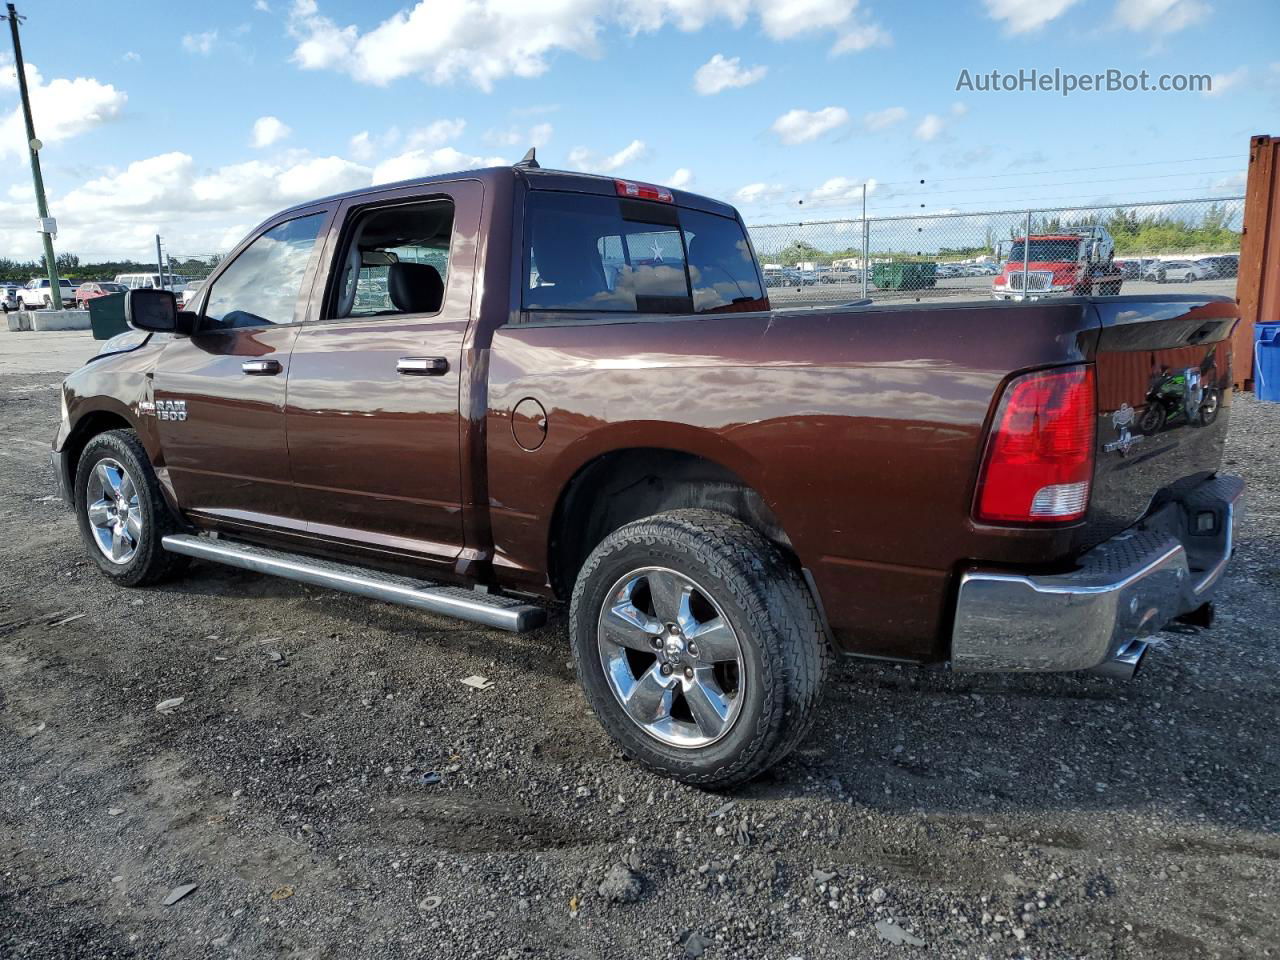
[(1191, 737)]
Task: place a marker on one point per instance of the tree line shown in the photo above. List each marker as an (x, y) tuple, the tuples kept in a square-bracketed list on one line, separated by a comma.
[(70, 267)]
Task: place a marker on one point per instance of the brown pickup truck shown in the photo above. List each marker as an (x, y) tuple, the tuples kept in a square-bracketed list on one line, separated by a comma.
[(479, 393)]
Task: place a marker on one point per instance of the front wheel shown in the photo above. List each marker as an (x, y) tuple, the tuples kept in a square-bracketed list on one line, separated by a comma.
[(121, 513), (699, 646)]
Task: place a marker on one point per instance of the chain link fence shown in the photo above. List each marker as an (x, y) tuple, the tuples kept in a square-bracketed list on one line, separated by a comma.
[(1121, 248), (190, 270)]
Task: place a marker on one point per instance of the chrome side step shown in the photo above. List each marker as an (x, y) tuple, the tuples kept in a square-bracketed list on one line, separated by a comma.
[(490, 610)]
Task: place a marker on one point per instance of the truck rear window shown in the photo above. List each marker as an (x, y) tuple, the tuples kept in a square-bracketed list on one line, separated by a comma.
[(611, 255)]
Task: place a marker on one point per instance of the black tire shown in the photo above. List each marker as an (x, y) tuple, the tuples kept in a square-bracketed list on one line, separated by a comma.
[(761, 593), (1152, 420), (150, 563)]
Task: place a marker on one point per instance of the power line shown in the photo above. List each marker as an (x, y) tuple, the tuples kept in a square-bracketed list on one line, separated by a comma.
[(1041, 173), (829, 202)]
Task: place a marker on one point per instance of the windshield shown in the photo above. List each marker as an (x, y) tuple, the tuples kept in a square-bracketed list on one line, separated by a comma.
[(1045, 250)]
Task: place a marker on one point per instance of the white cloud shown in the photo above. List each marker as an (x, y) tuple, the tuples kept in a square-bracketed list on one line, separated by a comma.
[(63, 108), (1024, 16), (862, 37), (131, 56), (1160, 16), (1222, 82), (361, 146), (801, 126), (758, 193), (269, 130), (424, 163), (580, 158), (882, 119), (120, 212), (721, 73), (200, 43), (959, 108), (841, 190), (1235, 182), (484, 41), (539, 135), (681, 179), (929, 127), (436, 133), (262, 6)]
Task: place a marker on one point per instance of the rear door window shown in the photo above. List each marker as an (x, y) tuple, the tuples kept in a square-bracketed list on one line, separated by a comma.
[(611, 255)]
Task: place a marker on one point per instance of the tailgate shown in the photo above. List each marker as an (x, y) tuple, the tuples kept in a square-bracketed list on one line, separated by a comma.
[(1163, 367)]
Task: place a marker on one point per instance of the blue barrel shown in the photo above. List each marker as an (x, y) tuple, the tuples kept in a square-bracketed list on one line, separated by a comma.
[(1266, 360)]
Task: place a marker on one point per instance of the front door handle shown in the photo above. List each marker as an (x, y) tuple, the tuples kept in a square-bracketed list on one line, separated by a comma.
[(261, 368), (422, 366)]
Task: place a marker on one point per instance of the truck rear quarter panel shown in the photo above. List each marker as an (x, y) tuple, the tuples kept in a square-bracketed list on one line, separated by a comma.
[(861, 430)]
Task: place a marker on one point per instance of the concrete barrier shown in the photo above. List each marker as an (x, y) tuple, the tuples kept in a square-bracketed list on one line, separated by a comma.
[(19, 320), (42, 320)]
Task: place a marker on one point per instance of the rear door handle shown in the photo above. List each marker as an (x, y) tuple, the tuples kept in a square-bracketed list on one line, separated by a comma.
[(261, 368), (422, 366)]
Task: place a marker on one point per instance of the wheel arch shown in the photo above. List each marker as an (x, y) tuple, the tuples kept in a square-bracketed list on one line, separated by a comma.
[(104, 415), (617, 486)]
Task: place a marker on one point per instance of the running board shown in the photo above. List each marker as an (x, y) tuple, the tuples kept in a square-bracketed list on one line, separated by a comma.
[(488, 609)]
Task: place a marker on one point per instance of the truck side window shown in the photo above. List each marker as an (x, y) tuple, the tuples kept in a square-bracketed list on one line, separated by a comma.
[(722, 268), (395, 261), (261, 285), (584, 256), (601, 254)]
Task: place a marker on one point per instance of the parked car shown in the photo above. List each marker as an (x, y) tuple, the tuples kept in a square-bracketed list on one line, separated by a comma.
[(722, 495), (37, 295), (1220, 266), (189, 292), (1183, 271), (841, 275), (1130, 269), (94, 289), (9, 297)]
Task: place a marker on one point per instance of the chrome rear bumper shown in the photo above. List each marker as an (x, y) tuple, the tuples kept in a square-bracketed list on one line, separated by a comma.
[(1124, 590)]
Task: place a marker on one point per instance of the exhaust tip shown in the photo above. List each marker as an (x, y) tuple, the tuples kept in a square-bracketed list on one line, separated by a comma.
[(1125, 664)]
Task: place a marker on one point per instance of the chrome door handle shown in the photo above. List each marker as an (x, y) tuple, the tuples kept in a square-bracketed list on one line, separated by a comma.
[(422, 366), (261, 368)]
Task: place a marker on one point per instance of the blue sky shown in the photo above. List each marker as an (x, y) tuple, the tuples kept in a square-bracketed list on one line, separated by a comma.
[(197, 120)]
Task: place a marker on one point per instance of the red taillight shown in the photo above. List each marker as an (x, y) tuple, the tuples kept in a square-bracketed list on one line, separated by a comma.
[(643, 191), (1039, 459)]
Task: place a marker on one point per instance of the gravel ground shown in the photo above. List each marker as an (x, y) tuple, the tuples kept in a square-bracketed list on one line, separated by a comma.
[(972, 816)]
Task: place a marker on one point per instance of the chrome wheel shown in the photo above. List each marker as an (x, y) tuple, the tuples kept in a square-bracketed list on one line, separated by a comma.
[(114, 512), (671, 658)]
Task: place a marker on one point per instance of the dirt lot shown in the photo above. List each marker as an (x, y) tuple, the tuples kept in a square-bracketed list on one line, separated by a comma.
[(1054, 816)]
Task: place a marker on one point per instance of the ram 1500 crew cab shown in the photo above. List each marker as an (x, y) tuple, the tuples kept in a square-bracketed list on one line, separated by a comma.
[(484, 392)]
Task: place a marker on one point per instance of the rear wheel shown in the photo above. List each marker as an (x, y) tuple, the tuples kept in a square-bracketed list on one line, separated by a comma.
[(121, 513), (698, 645)]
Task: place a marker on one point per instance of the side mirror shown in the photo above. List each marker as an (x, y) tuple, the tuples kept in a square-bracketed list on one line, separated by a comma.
[(156, 311)]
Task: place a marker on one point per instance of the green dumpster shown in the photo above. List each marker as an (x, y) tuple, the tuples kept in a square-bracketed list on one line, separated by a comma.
[(904, 275), (106, 316)]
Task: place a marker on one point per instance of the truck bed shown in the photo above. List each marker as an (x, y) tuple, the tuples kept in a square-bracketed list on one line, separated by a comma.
[(879, 413)]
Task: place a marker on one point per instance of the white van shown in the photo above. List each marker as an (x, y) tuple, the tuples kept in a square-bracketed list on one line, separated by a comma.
[(150, 281)]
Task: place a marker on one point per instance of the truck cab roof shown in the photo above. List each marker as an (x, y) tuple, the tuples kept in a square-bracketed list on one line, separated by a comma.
[(535, 178)]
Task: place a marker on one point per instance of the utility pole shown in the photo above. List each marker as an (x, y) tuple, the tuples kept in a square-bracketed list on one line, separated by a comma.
[(33, 145)]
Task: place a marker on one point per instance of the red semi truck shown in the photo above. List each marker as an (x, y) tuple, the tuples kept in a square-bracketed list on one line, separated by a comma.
[(1072, 263)]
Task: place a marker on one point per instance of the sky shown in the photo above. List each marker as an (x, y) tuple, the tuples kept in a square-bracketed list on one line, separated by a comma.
[(197, 121)]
